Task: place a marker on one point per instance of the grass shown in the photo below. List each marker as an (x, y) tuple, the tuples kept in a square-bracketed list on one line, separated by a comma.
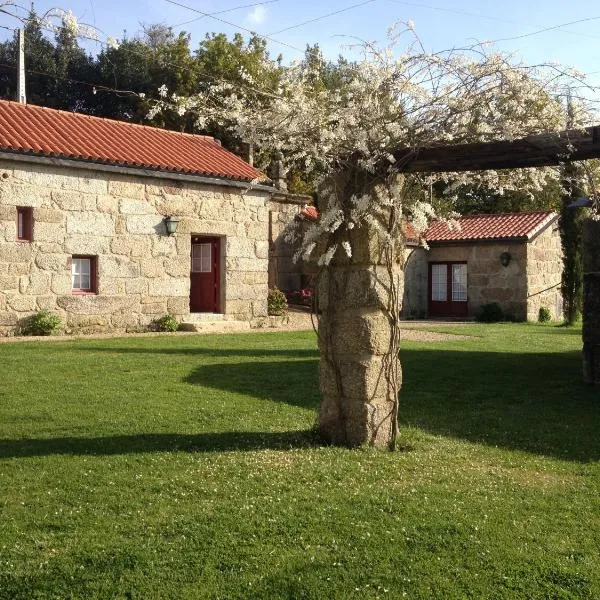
[(186, 467)]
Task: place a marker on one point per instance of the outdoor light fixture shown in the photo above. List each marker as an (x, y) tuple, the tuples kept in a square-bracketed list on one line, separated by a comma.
[(505, 259), (580, 203), (171, 224)]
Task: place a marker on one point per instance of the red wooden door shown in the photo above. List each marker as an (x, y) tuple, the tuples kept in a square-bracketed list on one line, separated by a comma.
[(448, 290), (205, 292)]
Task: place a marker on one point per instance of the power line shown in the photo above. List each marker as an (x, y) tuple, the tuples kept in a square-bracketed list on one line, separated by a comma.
[(553, 28), (95, 86), (234, 25), (220, 12), (331, 14), (457, 12), (493, 18), (203, 76)]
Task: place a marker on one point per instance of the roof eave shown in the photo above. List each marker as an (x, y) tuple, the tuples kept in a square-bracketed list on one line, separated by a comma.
[(92, 165), (498, 240)]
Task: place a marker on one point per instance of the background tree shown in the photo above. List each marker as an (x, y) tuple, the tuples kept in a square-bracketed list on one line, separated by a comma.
[(571, 236)]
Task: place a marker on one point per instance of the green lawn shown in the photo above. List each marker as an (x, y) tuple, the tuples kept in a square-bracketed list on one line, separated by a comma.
[(185, 467)]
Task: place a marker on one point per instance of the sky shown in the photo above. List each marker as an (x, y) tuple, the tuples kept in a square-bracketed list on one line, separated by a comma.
[(440, 24)]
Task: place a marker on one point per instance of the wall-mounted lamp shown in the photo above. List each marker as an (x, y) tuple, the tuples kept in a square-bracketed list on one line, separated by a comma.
[(505, 259), (171, 224), (580, 203)]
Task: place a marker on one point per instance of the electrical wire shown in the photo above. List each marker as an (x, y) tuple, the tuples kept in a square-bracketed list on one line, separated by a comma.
[(545, 29), (220, 12), (94, 86), (331, 14), (234, 25), (493, 18)]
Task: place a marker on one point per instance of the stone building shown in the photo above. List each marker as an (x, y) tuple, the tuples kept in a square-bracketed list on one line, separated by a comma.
[(512, 259), (85, 210)]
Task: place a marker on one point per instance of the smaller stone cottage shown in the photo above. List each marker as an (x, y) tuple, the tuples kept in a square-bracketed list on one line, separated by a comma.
[(514, 260), (111, 224)]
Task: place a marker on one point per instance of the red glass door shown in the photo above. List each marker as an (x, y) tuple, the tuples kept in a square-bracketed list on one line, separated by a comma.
[(205, 290), (448, 290)]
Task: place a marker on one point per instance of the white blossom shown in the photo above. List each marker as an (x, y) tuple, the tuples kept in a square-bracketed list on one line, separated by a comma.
[(389, 101)]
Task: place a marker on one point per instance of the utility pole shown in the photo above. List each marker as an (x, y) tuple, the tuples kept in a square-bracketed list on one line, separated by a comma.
[(20, 34)]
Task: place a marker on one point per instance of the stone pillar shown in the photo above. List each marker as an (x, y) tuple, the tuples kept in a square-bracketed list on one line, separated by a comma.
[(360, 371), (591, 301)]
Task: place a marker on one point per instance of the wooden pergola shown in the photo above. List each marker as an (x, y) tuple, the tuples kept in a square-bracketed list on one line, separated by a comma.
[(541, 150), (548, 149)]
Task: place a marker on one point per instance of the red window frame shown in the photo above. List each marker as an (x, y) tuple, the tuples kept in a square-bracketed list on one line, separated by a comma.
[(93, 289), (24, 223)]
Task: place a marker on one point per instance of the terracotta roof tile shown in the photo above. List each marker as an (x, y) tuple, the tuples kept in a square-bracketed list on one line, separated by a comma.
[(47, 132), (518, 226), (310, 213), (491, 227)]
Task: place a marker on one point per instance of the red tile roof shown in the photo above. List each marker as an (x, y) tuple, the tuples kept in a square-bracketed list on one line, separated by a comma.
[(310, 213), (41, 131), (504, 226), (518, 226)]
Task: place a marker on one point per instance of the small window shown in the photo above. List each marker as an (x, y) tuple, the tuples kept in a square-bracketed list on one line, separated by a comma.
[(24, 223), (201, 258), (83, 274)]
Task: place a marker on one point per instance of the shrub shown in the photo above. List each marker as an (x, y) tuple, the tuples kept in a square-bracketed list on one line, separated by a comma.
[(166, 323), (42, 323), (276, 302), (544, 315), (490, 313)]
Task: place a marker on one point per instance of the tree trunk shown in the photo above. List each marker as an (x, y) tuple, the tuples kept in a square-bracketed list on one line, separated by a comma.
[(591, 302), (360, 374)]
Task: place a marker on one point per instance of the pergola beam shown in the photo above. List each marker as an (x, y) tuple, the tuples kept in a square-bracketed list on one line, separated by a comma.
[(532, 151)]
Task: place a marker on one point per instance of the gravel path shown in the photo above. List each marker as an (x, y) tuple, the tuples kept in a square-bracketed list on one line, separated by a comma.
[(296, 320)]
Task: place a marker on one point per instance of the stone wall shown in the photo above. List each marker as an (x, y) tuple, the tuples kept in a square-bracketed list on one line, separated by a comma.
[(488, 280), (142, 272), (544, 274), (530, 281), (284, 273), (414, 304)]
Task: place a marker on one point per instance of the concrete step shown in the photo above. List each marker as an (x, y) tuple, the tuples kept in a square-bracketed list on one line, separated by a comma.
[(206, 326), (202, 317)]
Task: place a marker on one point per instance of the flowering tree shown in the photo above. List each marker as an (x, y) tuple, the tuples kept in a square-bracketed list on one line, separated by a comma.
[(355, 139)]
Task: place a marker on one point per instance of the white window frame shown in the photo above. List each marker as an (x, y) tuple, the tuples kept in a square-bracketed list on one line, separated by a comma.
[(83, 267), (439, 282), (203, 262)]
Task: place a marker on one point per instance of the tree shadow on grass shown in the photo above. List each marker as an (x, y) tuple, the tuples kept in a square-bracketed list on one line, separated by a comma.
[(536, 403), (227, 441), (293, 382), (193, 351)]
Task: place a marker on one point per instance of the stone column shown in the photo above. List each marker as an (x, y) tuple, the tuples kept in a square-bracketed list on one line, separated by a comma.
[(591, 301), (360, 371)]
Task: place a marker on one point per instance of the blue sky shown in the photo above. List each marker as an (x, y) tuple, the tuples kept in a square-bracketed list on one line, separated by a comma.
[(440, 23)]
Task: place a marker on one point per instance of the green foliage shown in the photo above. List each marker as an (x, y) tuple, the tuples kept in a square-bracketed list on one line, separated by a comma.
[(544, 315), (490, 313), (571, 236), (473, 200), (276, 302), (166, 323), (146, 460), (42, 323)]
